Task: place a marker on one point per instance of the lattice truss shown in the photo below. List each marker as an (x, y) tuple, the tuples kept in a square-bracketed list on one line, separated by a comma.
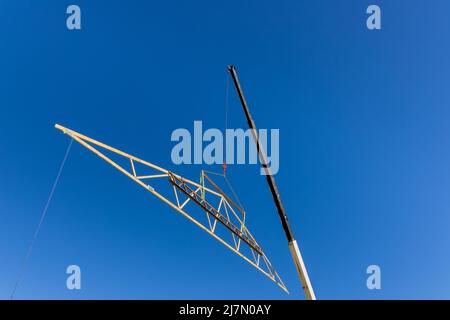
[(204, 203)]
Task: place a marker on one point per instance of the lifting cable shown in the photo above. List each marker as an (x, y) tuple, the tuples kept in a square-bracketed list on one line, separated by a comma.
[(228, 184), (224, 165), (44, 212)]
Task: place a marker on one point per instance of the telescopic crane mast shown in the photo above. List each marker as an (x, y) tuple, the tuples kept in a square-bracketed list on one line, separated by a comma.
[(293, 246)]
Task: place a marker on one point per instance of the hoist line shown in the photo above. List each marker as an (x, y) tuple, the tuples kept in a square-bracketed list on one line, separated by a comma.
[(224, 164), (44, 213), (227, 94), (227, 89)]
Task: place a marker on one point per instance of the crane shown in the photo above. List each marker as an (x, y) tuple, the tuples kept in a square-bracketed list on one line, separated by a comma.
[(225, 213)]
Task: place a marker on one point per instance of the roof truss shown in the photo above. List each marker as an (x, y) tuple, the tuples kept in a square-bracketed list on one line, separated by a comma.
[(219, 210)]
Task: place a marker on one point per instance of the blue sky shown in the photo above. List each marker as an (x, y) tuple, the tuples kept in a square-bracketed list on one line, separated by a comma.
[(364, 150)]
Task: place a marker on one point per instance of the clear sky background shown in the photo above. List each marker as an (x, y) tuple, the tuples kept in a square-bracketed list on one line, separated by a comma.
[(364, 161)]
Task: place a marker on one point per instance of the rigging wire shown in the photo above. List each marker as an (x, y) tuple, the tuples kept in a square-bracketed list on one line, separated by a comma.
[(44, 212), (234, 193), (215, 173), (228, 184)]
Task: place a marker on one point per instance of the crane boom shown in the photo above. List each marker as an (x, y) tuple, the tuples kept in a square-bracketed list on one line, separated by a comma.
[(293, 246)]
